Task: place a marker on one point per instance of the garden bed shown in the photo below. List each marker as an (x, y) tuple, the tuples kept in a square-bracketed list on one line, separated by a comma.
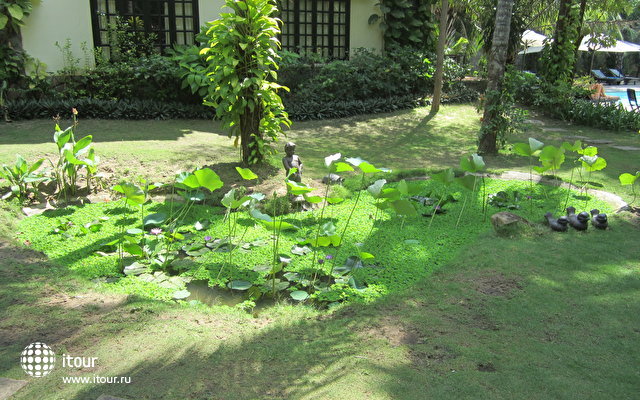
[(403, 250)]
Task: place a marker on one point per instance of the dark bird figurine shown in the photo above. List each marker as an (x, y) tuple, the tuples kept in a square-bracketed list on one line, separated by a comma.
[(559, 225), (579, 222), (599, 220)]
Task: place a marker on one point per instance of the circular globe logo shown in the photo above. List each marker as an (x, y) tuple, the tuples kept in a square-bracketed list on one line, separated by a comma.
[(37, 359)]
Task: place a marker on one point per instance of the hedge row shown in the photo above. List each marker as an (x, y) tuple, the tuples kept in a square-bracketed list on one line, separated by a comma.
[(150, 109)]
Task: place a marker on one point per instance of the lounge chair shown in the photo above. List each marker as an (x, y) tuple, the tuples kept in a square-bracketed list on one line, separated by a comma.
[(601, 77), (618, 74), (633, 100)]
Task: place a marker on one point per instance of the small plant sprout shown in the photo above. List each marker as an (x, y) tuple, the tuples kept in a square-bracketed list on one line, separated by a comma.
[(629, 179), (472, 165), (20, 175), (231, 202), (365, 168), (551, 158), (591, 162), (375, 190), (446, 177), (576, 147), (530, 150), (333, 164)]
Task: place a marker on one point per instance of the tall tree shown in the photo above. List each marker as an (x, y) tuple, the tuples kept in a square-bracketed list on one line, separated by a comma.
[(439, 74), (496, 67)]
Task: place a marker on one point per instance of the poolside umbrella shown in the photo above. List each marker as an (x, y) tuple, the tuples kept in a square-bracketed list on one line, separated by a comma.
[(591, 43), (533, 42), (603, 43)]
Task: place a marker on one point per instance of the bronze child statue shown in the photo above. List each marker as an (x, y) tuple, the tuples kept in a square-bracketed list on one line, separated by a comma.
[(292, 161)]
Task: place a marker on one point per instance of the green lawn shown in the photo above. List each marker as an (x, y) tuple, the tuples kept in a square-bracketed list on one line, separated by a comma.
[(539, 316)]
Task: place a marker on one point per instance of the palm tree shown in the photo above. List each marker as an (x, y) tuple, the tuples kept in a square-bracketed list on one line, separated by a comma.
[(495, 67), (442, 41)]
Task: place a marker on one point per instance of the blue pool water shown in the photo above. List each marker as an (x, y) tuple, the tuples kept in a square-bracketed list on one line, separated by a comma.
[(624, 100)]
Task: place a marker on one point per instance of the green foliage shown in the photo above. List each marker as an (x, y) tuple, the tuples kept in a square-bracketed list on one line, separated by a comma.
[(242, 84), (629, 179), (407, 23), (364, 76), (558, 58), (570, 102), (20, 176), (128, 40), (13, 59), (507, 118), (147, 77), (73, 157), (106, 109), (193, 68)]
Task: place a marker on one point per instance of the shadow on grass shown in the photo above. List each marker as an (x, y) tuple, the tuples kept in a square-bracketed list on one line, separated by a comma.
[(525, 323)]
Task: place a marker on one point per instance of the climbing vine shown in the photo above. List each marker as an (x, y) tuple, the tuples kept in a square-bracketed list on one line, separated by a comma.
[(407, 23), (558, 59), (12, 57), (242, 64)]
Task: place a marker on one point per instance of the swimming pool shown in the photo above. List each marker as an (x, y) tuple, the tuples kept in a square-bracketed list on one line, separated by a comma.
[(624, 100)]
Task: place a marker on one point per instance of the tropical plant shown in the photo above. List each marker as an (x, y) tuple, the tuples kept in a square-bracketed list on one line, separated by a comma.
[(446, 178), (242, 83), (530, 150), (73, 157), (629, 179), (232, 201), (20, 176), (407, 23), (472, 165), (12, 16), (365, 168), (591, 162)]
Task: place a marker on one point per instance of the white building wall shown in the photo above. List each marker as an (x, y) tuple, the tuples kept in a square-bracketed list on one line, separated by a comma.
[(58, 20)]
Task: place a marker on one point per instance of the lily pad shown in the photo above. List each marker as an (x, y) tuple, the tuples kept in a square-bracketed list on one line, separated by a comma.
[(154, 220), (239, 285), (135, 269), (181, 294), (300, 251), (299, 295)]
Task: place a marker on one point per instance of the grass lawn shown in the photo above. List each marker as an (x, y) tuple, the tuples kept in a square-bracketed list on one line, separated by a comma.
[(539, 316)]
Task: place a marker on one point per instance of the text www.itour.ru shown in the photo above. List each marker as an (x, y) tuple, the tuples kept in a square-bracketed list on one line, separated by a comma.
[(96, 379)]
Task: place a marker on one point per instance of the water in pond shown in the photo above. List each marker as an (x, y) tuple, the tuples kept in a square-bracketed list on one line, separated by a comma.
[(215, 296)]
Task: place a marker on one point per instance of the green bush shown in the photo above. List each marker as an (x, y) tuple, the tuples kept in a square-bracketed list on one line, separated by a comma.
[(308, 109), (570, 102), (106, 109), (366, 75), (147, 78)]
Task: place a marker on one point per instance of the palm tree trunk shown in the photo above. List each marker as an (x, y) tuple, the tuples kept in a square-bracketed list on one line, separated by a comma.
[(439, 74), (496, 67)]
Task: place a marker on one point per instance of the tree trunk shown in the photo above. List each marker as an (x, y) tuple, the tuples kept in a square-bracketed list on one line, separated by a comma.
[(496, 67), (249, 131), (439, 75), (583, 9)]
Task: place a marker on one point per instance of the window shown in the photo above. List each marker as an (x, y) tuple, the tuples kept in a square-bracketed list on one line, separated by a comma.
[(316, 26), (172, 21)]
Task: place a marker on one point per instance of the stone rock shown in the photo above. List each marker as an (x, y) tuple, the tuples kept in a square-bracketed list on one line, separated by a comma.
[(332, 179), (626, 148), (599, 141), (8, 387), (37, 209), (135, 269), (507, 224)]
